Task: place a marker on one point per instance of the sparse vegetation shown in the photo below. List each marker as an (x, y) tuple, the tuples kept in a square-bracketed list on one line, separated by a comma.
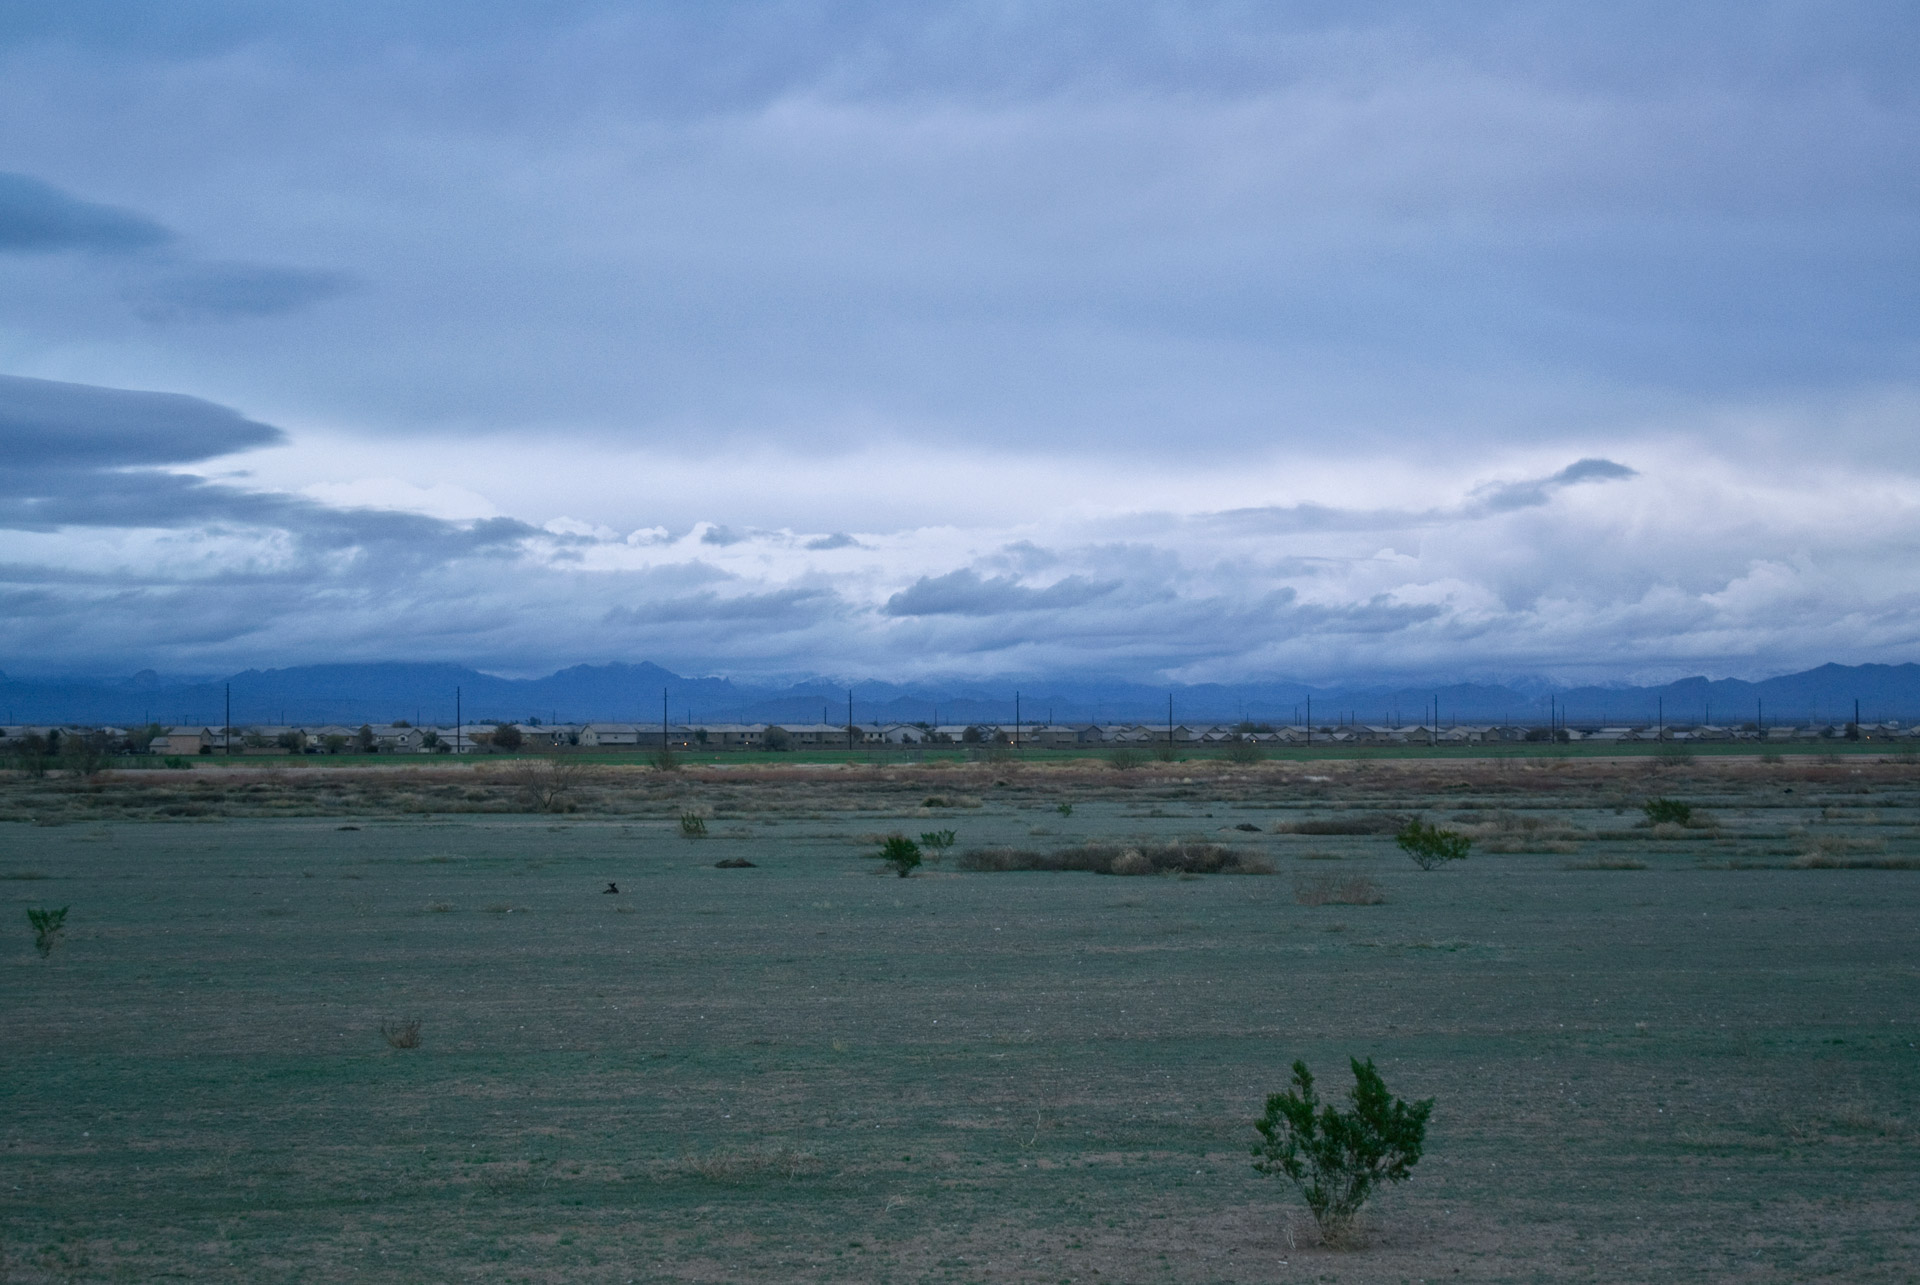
[(936, 842), (1337, 890), (1430, 846), (49, 926), (1338, 1158), (1048, 1049), (693, 825), (1125, 759)]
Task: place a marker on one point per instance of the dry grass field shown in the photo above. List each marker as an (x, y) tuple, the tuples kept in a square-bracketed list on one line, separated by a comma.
[(1683, 1051)]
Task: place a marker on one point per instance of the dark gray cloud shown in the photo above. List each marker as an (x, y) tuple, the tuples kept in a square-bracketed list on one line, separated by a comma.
[(965, 593), (232, 291), (838, 540), (78, 456), (37, 218), (162, 281), (45, 424), (1506, 496)]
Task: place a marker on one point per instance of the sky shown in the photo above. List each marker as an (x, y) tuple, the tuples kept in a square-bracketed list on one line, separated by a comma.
[(1197, 342)]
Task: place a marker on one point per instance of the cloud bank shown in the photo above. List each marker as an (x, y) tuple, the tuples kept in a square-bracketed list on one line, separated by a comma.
[(109, 550)]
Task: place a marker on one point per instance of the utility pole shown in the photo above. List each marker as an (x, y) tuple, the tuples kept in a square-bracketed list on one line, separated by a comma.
[(229, 720), (1169, 725), (849, 719), (1016, 721), (1309, 720), (1660, 718), (665, 746), (456, 720)]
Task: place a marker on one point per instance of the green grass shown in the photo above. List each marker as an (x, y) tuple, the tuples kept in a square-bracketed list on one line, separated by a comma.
[(815, 1070)]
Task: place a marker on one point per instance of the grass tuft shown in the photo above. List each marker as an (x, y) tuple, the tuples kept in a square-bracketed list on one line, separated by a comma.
[(1338, 890)]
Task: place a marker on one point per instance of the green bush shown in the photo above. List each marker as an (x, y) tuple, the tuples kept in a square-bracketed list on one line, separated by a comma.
[(1125, 759), (1430, 846), (900, 852), (693, 825), (1243, 750), (1336, 1158), (1664, 811), (938, 840), (1065, 809), (48, 927)]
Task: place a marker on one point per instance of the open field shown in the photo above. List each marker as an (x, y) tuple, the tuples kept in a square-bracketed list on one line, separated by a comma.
[(1675, 1052)]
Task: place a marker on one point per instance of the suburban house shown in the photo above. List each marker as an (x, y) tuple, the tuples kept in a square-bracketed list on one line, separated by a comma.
[(611, 736)]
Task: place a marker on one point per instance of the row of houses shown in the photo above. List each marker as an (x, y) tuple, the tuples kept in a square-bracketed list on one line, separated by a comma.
[(405, 738)]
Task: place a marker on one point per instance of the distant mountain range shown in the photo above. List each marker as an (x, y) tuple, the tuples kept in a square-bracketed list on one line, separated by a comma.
[(632, 693)]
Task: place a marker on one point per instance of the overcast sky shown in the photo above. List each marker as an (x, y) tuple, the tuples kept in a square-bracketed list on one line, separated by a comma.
[(1189, 341)]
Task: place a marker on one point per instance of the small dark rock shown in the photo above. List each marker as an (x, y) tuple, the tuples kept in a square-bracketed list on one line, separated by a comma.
[(734, 863), (1249, 827), (347, 827)]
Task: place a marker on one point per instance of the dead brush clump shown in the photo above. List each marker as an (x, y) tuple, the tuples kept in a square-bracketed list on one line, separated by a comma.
[(1358, 823), (1607, 863), (1510, 832), (1337, 890), (1189, 857), (403, 1033), (548, 784), (1832, 852), (744, 1168)]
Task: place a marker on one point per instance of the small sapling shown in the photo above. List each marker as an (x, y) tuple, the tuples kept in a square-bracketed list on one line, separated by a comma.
[(1336, 1158)]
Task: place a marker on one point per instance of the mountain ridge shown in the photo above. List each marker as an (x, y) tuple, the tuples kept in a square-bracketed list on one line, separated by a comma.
[(624, 692)]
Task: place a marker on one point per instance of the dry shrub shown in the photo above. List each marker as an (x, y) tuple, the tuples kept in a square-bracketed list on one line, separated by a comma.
[(1362, 823), (742, 1167), (1560, 847), (402, 1034), (1191, 857), (1338, 890), (1607, 863), (1831, 861), (1833, 845)]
